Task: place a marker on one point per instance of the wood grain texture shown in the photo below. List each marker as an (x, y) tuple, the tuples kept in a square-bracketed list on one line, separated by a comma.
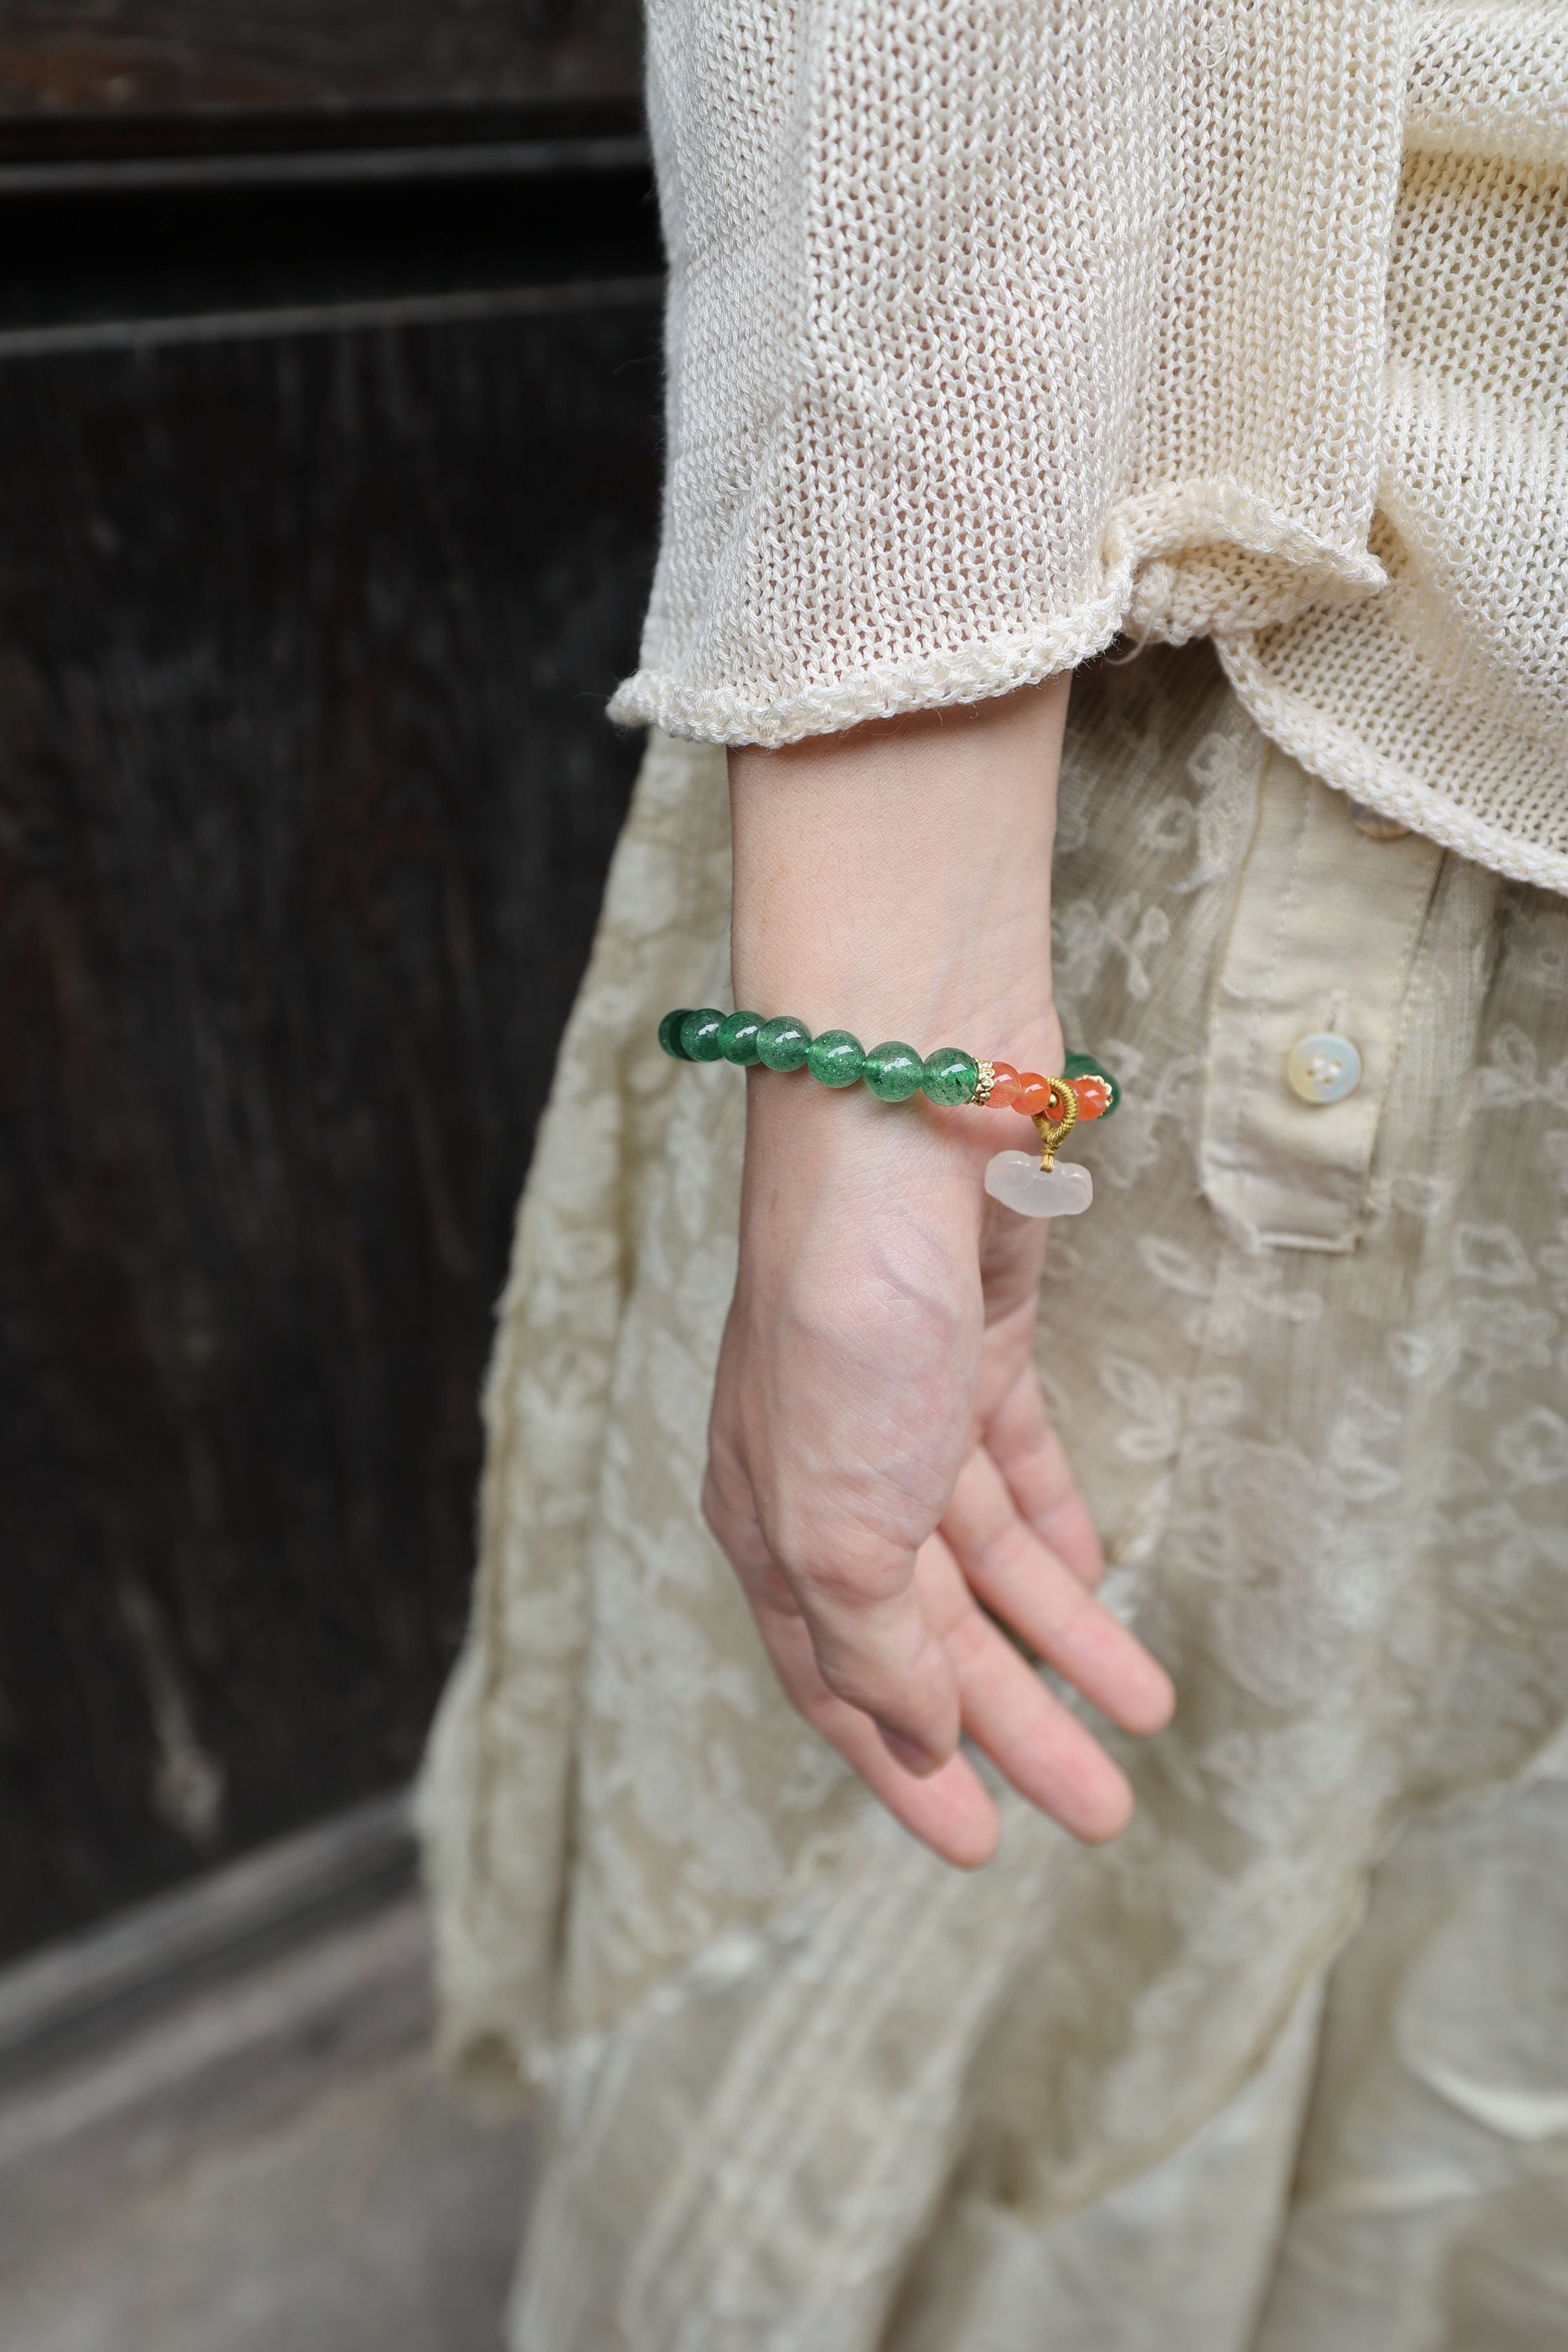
[(305, 801), (122, 56)]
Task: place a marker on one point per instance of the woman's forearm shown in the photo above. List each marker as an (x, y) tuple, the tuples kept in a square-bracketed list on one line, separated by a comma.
[(896, 881), (881, 1472)]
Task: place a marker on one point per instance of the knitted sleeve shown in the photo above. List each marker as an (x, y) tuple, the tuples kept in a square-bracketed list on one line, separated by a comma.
[(997, 327)]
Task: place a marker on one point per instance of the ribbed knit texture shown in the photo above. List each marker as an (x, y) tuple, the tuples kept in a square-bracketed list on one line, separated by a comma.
[(1000, 327), (1444, 698)]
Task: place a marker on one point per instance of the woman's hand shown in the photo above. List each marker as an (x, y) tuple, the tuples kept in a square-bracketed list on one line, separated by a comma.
[(881, 1473)]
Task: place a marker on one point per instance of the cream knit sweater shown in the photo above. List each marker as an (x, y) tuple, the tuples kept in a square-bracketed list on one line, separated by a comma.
[(998, 328)]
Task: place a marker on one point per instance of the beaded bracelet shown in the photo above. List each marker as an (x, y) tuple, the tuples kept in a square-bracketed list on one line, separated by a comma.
[(894, 1071)]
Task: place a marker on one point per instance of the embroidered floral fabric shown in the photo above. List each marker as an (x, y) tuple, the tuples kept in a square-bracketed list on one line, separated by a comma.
[(813, 2090)]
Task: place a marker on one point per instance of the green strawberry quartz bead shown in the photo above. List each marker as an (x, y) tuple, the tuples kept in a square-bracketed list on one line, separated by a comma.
[(784, 1044), (950, 1075), (893, 1072), (700, 1034), (835, 1059), (738, 1039), (669, 1031), (1084, 1066)]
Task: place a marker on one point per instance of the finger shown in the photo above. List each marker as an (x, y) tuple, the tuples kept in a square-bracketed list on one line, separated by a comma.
[(956, 1819), (855, 1589), (950, 1811), (874, 1650), (1049, 1756), (1023, 1582), (1033, 1460)]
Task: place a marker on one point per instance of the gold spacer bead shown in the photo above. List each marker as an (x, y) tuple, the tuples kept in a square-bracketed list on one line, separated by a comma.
[(982, 1084)]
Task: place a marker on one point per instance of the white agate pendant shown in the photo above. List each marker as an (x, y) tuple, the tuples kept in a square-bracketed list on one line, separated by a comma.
[(1017, 1180)]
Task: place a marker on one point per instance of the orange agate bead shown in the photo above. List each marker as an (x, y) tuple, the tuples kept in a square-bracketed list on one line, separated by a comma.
[(1033, 1093), (1093, 1096), (1003, 1087)]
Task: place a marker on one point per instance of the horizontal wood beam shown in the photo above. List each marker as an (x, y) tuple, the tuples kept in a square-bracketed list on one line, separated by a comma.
[(87, 1988), (151, 76)]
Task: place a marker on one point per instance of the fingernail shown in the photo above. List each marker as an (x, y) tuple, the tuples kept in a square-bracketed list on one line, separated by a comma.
[(912, 1758)]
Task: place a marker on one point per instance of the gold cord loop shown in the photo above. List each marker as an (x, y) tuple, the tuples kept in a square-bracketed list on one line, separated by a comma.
[(1053, 1133)]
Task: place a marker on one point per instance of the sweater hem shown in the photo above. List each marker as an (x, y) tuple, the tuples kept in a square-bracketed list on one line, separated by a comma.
[(1336, 754), (973, 673), (984, 668)]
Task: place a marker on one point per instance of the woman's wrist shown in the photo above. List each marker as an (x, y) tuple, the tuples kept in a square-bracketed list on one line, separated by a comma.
[(896, 881)]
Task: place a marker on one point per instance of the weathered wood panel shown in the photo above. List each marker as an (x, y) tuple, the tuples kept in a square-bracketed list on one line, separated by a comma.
[(123, 57), (107, 254), (81, 77), (304, 807)]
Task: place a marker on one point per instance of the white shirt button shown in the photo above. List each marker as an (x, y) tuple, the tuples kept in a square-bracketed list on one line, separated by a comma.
[(1323, 1068)]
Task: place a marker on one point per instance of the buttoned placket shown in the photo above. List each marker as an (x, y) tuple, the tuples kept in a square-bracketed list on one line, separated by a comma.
[(1307, 1014)]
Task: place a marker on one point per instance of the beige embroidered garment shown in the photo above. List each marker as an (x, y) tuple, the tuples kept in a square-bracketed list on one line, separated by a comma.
[(813, 2090), (997, 329)]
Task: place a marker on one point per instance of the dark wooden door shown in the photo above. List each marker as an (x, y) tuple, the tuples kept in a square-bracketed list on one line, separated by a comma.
[(329, 404)]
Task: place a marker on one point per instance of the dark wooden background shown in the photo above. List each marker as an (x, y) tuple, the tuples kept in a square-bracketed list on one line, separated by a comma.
[(114, 64), (328, 401)]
